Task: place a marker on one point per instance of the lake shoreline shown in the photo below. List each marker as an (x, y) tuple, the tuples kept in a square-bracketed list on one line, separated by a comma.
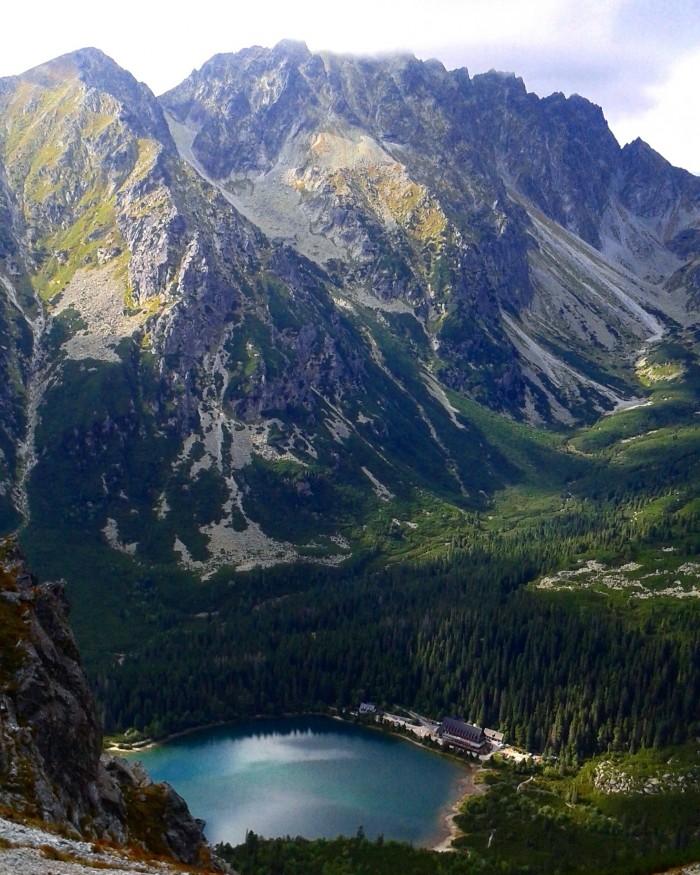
[(126, 747), (449, 831), (150, 743), (446, 829)]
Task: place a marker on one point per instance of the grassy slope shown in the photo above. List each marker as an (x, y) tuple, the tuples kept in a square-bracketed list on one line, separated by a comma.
[(563, 820)]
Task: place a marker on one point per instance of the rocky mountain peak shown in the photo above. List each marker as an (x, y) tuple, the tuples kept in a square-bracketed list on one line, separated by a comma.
[(97, 71), (292, 50), (649, 185)]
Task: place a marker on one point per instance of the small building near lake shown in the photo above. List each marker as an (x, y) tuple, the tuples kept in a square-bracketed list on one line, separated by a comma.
[(464, 736)]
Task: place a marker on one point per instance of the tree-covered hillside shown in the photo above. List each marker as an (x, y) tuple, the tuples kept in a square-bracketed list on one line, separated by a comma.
[(566, 613)]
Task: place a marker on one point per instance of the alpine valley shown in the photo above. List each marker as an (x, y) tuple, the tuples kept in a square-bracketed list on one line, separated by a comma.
[(327, 379)]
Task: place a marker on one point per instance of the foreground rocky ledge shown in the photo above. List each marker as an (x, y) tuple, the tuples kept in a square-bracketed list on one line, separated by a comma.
[(52, 770), (26, 850)]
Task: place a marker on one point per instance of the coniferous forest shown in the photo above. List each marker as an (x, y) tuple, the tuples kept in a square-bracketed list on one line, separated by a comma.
[(560, 672)]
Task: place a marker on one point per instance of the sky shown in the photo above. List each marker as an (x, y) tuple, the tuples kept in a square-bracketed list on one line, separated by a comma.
[(638, 59)]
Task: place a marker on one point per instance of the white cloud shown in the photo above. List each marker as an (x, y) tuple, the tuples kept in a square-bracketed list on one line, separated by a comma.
[(672, 123)]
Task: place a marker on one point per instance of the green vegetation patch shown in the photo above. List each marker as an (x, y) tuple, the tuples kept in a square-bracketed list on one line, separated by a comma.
[(76, 247), (341, 856), (296, 503), (640, 815)]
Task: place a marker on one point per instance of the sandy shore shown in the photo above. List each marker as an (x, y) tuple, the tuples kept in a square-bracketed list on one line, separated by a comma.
[(149, 743), (449, 830)]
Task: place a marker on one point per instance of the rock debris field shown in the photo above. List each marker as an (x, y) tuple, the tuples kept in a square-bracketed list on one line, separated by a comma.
[(677, 583), (26, 850)]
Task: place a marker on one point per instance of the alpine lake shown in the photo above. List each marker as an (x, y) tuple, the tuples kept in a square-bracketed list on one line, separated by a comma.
[(308, 776)]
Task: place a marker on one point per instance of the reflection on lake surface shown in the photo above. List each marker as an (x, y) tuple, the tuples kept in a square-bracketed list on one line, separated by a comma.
[(308, 776)]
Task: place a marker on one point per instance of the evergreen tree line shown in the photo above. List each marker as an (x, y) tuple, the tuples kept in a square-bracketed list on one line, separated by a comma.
[(459, 635)]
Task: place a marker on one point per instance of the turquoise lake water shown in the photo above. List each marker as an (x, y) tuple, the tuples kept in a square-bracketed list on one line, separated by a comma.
[(309, 776)]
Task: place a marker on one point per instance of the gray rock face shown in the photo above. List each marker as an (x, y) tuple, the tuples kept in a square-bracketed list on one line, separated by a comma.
[(666, 201), (429, 185), (558, 152), (51, 763), (651, 188)]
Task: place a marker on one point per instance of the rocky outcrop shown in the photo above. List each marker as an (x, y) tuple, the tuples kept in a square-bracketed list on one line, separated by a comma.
[(610, 778), (51, 765), (32, 850)]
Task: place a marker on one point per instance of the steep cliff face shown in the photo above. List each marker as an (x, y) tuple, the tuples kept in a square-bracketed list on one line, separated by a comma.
[(49, 720), (549, 148), (664, 237), (473, 203), (52, 769), (238, 319), (345, 159)]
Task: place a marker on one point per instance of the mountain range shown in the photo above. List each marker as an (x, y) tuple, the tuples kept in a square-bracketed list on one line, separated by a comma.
[(279, 281)]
